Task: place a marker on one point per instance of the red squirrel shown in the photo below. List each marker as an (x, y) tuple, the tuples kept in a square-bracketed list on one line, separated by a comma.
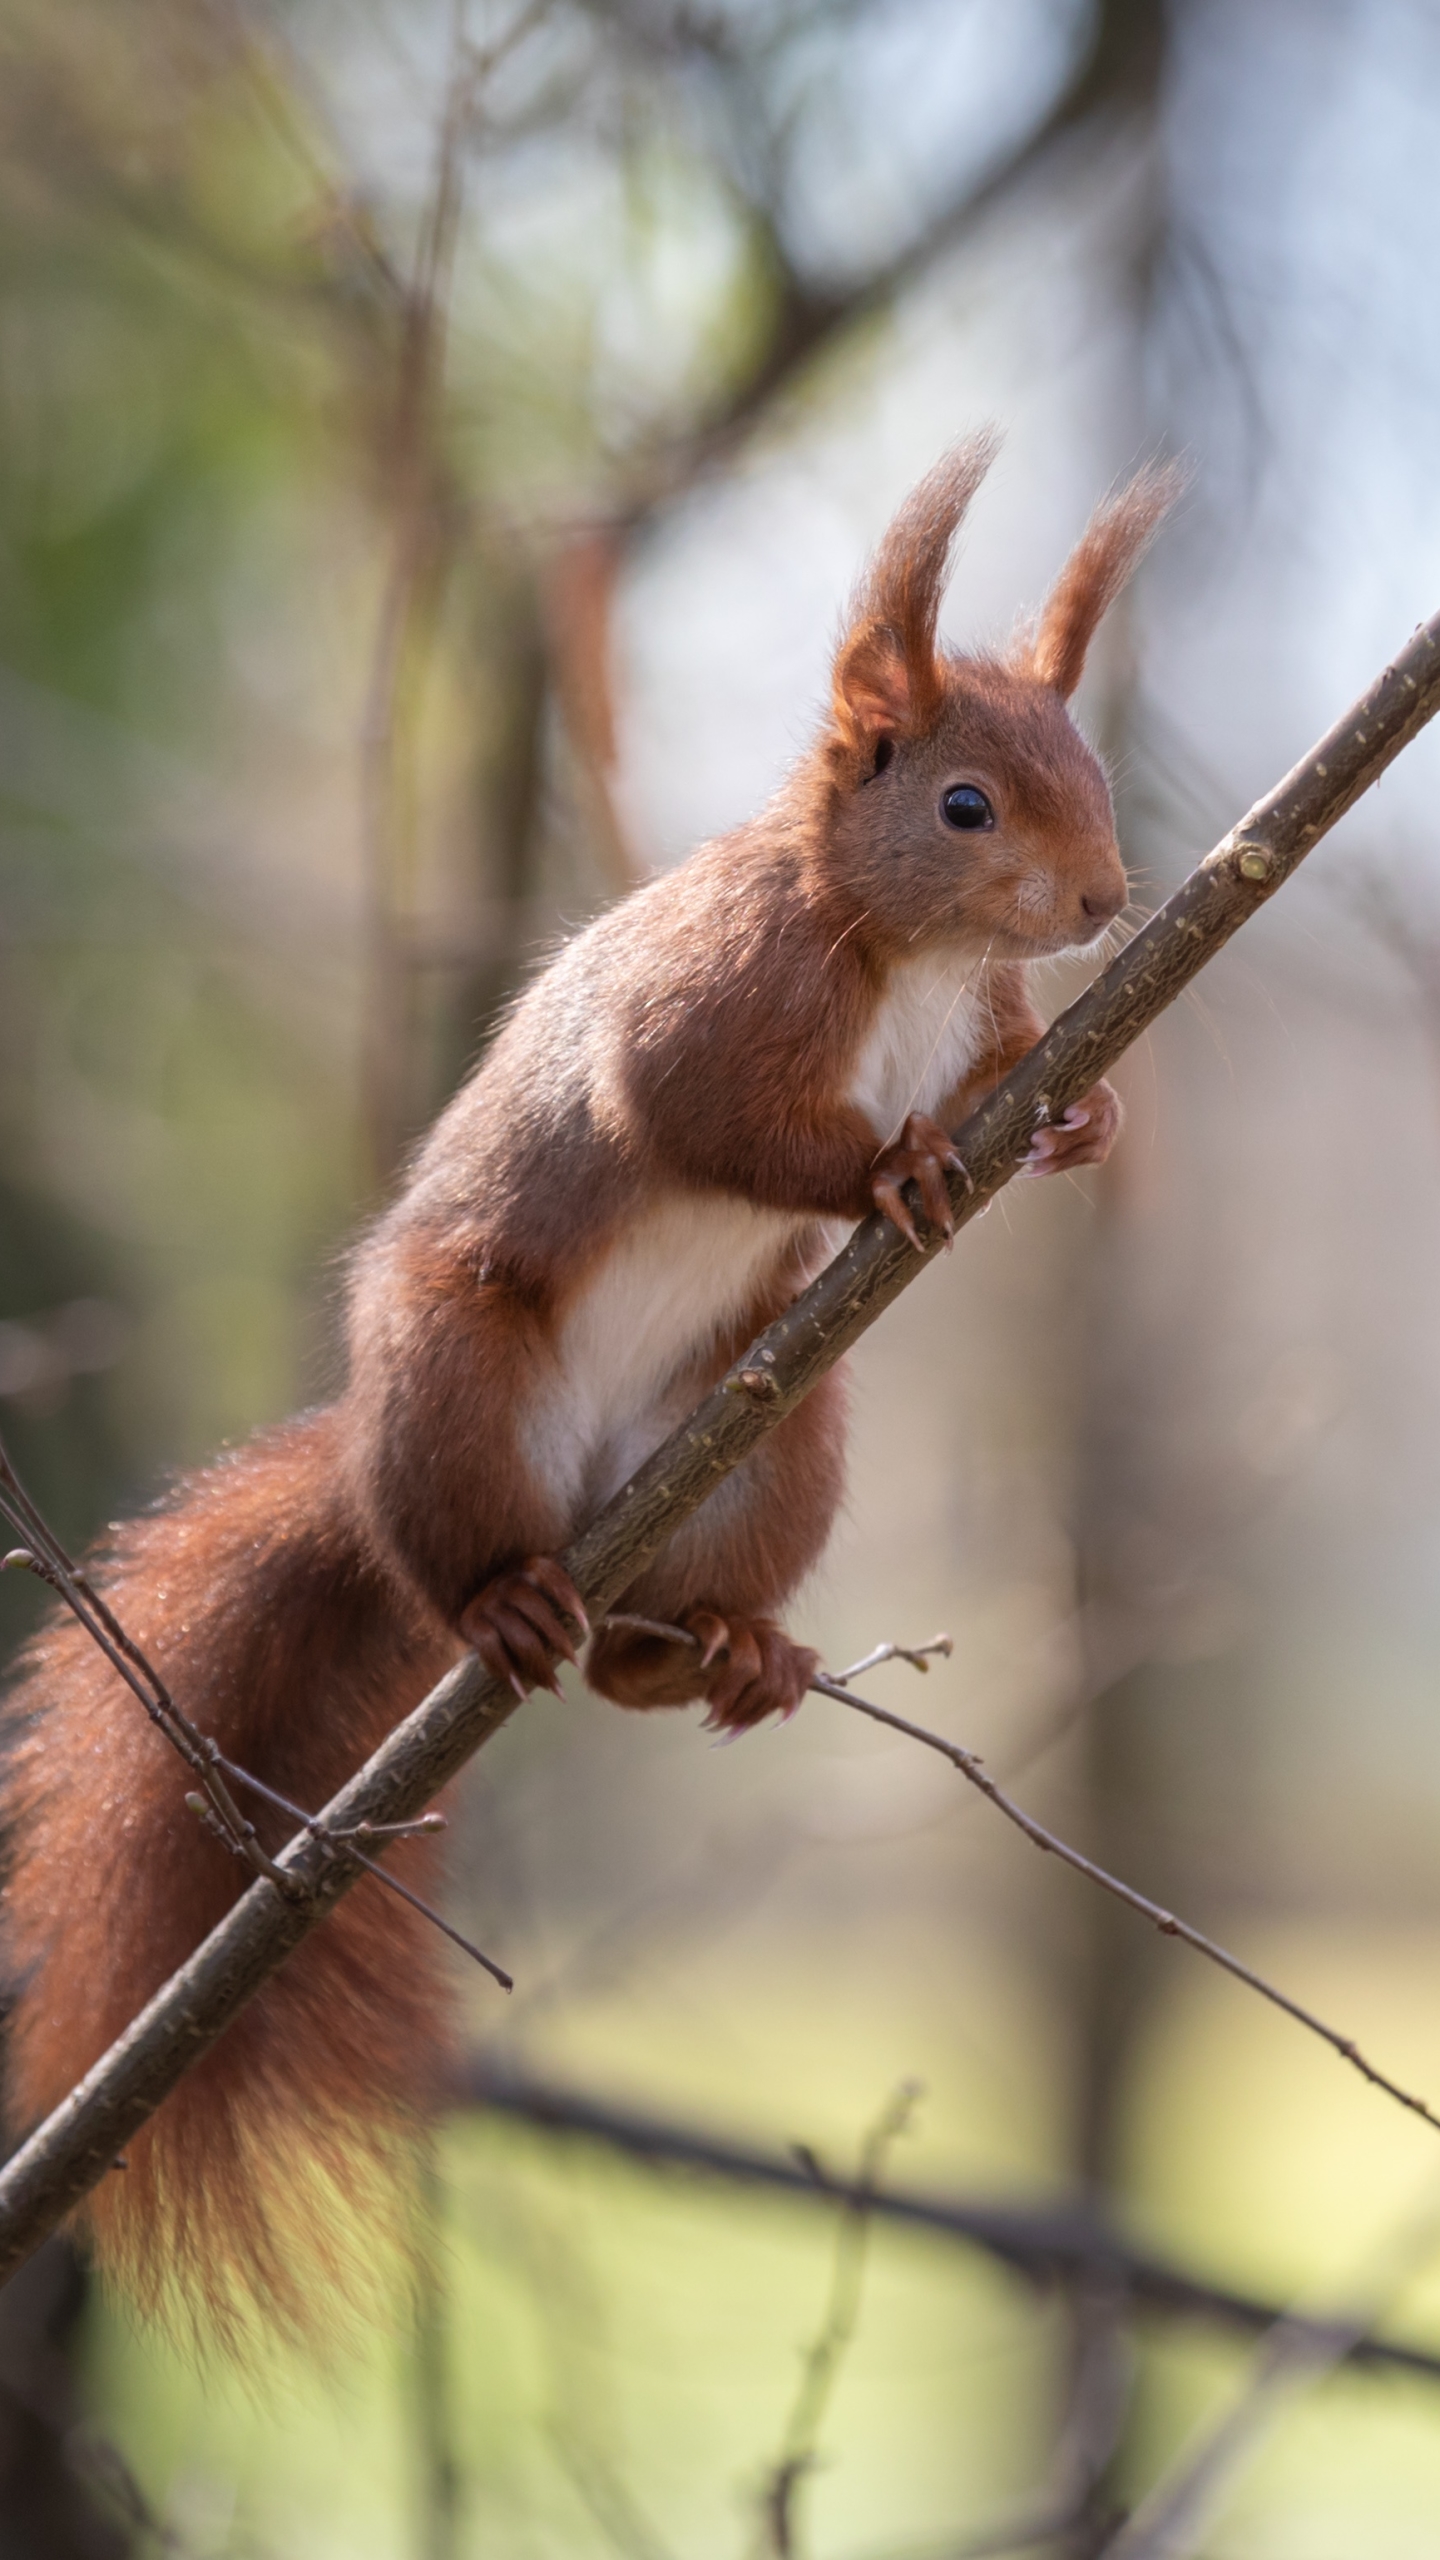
[(647, 1165)]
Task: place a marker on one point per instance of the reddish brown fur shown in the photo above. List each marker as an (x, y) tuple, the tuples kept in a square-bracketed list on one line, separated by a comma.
[(887, 663), (299, 1654), (697, 1046), (1109, 551)]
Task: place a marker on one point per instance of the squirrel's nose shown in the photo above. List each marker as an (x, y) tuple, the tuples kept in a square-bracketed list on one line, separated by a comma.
[(1103, 905)]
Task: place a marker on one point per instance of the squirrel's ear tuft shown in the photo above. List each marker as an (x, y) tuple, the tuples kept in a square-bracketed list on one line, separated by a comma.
[(886, 674), (1106, 555)]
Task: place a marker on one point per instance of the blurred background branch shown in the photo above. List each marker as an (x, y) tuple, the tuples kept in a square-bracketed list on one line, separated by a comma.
[(1067, 2245)]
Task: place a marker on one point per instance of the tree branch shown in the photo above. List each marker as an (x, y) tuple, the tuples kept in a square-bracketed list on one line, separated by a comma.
[(76, 2145)]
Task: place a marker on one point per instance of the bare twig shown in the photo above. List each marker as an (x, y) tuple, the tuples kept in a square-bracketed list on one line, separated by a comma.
[(214, 1803), (74, 2147), (799, 2450), (917, 1655), (319, 1830), (45, 1557), (972, 1767)]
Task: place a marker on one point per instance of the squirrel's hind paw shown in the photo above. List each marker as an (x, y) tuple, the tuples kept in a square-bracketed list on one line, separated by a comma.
[(743, 1669), (755, 1670)]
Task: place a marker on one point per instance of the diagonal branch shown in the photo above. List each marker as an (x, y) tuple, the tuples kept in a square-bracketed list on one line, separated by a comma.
[(75, 2147)]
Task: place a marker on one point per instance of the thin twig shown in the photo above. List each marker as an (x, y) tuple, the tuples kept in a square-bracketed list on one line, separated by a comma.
[(972, 1767), (75, 2146), (45, 1557), (325, 1831), (200, 1752), (917, 1655)]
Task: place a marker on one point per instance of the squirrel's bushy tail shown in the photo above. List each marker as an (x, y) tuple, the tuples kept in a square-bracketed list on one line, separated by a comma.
[(261, 1604)]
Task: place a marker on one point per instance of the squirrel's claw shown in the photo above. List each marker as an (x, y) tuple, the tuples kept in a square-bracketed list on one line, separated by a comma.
[(516, 1626), (922, 1154), (711, 1633), (890, 1201), (548, 1576), (762, 1672), (1084, 1135)]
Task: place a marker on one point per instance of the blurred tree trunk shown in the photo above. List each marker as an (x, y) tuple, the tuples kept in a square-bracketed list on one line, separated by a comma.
[(47, 2508), (506, 830)]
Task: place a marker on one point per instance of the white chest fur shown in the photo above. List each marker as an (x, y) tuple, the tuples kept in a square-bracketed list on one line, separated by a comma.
[(927, 1033), (653, 1306)]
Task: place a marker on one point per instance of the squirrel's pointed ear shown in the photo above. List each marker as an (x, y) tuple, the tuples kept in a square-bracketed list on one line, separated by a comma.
[(1106, 555), (886, 675)]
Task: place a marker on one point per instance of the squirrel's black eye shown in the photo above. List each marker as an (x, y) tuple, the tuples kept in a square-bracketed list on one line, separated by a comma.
[(964, 806), (884, 750)]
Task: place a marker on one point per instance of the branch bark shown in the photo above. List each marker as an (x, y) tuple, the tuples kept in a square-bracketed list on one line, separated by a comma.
[(76, 2146)]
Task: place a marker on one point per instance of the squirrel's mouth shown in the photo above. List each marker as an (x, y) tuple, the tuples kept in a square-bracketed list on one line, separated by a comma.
[(1042, 942), (1052, 942)]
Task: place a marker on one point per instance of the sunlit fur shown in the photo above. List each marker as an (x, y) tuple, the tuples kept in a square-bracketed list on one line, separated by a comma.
[(1113, 543), (642, 1172)]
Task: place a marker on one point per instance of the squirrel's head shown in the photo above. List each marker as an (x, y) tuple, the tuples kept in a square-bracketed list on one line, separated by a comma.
[(964, 804)]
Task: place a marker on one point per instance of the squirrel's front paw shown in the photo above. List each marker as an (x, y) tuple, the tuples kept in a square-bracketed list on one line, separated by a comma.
[(922, 1154), (517, 1624), (751, 1667), (1085, 1135)]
